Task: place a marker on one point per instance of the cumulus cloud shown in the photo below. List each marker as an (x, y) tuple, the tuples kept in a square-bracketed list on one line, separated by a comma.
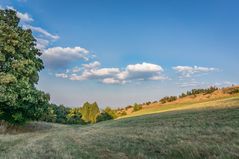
[(188, 71), (59, 57), (144, 71)]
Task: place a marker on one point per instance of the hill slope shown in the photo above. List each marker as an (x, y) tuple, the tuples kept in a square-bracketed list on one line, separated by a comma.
[(193, 133), (222, 95)]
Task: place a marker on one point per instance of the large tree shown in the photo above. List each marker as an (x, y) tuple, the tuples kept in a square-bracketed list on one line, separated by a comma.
[(19, 66)]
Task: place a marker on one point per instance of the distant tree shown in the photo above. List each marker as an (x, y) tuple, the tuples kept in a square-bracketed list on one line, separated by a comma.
[(90, 112), (19, 66), (194, 92), (137, 107), (74, 116), (182, 95), (168, 99), (61, 113), (111, 112), (103, 117)]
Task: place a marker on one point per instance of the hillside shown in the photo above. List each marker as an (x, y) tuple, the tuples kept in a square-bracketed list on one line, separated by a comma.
[(221, 94), (205, 132)]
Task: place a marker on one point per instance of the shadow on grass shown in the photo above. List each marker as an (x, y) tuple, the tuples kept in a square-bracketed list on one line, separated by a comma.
[(6, 128)]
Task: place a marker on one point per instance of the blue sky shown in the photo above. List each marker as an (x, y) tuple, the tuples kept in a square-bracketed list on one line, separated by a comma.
[(118, 52)]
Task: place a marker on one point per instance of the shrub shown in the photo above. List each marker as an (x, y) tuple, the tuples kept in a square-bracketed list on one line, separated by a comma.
[(137, 107), (168, 99), (75, 117)]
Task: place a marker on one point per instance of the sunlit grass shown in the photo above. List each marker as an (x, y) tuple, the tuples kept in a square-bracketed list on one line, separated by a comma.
[(215, 103)]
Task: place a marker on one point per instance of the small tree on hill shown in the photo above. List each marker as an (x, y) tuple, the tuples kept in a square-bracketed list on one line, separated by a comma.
[(137, 107)]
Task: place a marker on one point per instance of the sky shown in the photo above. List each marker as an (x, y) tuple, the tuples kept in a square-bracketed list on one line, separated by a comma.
[(118, 52)]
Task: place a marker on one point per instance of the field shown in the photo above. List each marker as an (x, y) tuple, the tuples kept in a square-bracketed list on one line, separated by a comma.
[(201, 130)]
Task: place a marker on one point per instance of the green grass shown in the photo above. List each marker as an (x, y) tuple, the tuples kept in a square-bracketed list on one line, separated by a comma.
[(210, 132)]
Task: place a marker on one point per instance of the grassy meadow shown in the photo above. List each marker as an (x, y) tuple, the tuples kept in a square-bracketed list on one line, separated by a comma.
[(204, 132)]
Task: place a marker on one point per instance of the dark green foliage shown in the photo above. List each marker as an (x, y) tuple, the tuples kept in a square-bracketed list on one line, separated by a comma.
[(137, 107), (168, 99), (111, 112), (50, 115), (103, 117), (61, 113), (19, 66), (90, 112), (107, 114)]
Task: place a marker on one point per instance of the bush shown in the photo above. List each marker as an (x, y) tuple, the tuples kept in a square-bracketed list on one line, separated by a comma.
[(75, 117), (107, 114), (103, 117), (137, 107), (168, 99)]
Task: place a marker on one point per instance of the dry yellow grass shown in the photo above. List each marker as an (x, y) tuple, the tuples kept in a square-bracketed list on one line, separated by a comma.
[(187, 101), (220, 102)]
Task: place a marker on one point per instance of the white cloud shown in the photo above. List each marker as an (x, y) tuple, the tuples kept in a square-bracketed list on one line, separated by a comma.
[(99, 73), (42, 43), (42, 31), (139, 72), (25, 17), (188, 71), (158, 78), (111, 81), (144, 71), (59, 57), (144, 67), (92, 65), (76, 69), (62, 75)]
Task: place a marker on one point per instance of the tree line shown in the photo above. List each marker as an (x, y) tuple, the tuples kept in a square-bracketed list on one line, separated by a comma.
[(88, 113)]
